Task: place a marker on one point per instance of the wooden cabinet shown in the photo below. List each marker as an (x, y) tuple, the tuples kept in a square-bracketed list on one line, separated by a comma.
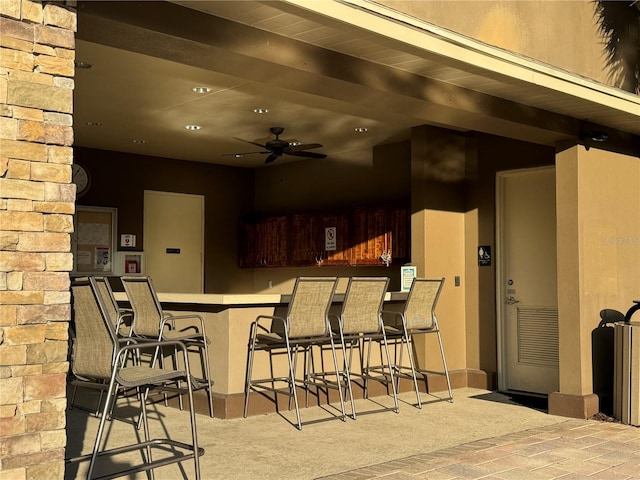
[(264, 243), (363, 236)]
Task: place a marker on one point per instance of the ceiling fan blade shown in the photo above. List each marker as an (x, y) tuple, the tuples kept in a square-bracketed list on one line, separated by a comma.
[(307, 154), (304, 146), (271, 158), (242, 153), (249, 141)]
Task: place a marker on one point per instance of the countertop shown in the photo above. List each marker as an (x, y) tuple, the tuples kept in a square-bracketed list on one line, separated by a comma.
[(241, 298)]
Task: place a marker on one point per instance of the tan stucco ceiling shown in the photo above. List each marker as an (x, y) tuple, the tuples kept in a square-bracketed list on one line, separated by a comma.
[(320, 78)]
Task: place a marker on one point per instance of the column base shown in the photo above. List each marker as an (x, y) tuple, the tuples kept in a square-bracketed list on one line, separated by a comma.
[(574, 406)]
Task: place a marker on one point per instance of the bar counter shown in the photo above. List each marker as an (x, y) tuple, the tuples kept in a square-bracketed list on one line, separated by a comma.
[(227, 321)]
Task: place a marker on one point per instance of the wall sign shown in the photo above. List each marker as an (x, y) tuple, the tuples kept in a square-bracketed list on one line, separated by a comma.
[(330, 243), (484, 255), (407, 274), (127, 240)]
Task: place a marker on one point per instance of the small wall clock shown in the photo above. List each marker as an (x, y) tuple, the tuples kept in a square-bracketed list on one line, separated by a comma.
[(80, 177)]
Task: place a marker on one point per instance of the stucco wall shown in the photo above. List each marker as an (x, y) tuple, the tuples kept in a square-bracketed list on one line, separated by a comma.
[(598, 251), (561, 33), (360, 177)]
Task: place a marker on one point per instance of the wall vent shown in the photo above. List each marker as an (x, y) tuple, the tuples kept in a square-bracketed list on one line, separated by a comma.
[(538, 336)]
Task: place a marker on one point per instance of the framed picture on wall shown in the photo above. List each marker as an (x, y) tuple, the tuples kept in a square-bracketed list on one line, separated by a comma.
[(93, 242)]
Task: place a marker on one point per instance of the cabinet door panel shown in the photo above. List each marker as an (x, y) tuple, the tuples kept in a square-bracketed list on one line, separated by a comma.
[(369, 236), (275, 241), (305, 233), (248, 245), (398, 221), (265, 243)]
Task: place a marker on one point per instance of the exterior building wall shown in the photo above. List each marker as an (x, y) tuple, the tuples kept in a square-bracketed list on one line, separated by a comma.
[(36, 218), (598, 257), (560, 33)]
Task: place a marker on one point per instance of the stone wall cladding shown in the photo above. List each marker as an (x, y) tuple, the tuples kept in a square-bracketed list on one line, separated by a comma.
[(37, 203)]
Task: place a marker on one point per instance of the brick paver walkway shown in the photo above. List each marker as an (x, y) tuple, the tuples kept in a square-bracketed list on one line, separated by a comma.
[(575, 449)]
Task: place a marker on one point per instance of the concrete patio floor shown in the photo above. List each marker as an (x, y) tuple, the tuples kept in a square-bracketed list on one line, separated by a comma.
[(481, 435)]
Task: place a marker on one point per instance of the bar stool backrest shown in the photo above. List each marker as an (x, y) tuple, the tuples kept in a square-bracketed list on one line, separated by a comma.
[(309, 307), (95, 338), (421, 303), (147, 312), (362, 305), (110, 304)]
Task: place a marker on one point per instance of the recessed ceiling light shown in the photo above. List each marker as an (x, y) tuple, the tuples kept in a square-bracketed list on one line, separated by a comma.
[(94, 124), (201, 89), (261, 110), (140, 141), (361, 129), (238, 155), (82, 65), (193, 127)]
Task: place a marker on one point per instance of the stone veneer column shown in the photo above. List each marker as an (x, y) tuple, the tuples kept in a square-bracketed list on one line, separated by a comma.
[(37, 50)]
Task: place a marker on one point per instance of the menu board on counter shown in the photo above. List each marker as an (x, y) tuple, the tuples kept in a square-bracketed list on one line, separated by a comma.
[(94, 240), (407, 274)]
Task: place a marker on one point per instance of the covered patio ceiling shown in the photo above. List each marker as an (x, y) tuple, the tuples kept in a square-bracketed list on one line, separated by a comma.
[(320, 78)]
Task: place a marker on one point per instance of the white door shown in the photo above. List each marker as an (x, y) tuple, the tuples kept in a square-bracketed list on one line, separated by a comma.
[(174, 241), (527, 281)]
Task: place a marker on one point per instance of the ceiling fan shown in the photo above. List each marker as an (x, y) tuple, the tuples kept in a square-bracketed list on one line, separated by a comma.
[(276, 148)]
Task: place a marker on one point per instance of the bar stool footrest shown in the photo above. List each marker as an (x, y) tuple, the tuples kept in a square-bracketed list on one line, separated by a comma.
[(158, 443)]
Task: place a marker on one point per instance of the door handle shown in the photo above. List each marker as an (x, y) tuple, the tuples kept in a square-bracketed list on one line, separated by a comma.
[(511, 300)]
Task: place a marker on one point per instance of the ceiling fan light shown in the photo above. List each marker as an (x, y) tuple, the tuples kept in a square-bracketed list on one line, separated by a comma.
[(361, 129), (140, 141), (193, 128), (260, 111)]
